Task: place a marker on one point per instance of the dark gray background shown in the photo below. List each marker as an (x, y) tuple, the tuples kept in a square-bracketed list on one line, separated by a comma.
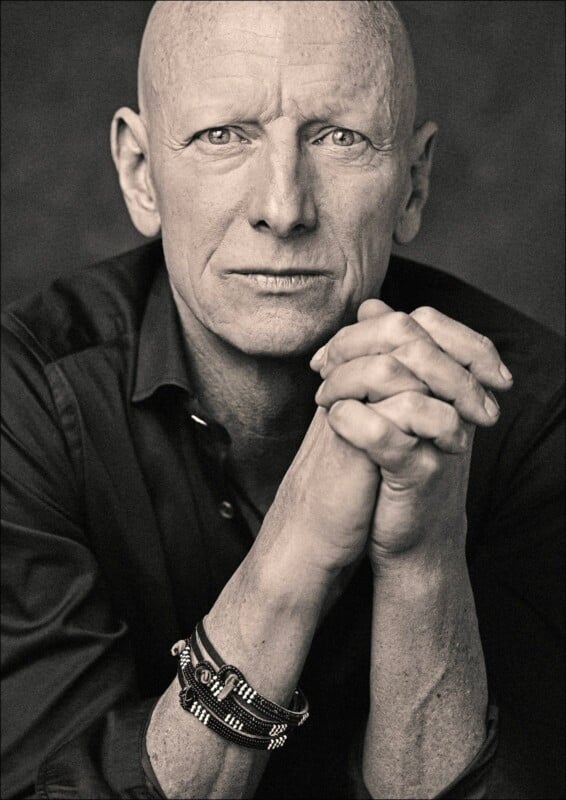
[(491, 73)]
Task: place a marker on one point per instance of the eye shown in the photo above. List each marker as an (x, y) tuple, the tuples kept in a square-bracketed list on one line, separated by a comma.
[(341, 137), (220, 136)]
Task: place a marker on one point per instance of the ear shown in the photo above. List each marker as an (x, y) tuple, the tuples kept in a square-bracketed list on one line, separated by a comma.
[(421, 149), (129, 145)]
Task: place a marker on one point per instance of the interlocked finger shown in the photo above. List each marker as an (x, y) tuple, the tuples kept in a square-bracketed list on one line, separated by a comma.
[(449, 381), (372, 336), (384, 443), (428, 418), (370, 378), (381, 330), (469, 348)]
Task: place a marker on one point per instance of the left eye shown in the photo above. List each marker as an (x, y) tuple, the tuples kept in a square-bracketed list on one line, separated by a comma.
[(221, 136), (342, 137)]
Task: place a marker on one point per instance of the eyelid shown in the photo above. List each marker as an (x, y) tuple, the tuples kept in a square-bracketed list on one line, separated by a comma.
[(326, 132), (232, 128)]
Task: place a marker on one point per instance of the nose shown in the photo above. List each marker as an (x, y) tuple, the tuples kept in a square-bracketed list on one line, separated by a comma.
[(282, 199)]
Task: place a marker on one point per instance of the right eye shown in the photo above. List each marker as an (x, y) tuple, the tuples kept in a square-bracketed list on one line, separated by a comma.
[(221, 136)]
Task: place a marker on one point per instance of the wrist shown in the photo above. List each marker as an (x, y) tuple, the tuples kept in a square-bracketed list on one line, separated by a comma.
[(266, 615), (286, 575), (436, 551), (421, 574)]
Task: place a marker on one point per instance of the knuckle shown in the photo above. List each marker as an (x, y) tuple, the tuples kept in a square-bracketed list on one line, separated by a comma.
[(338, 411), (431, 464), (387, 368), (401, 322), (486, 345), (420, 349), (452, 419), (337, 347), (471, 385), (425, 314), (411, 402), (380, 427)]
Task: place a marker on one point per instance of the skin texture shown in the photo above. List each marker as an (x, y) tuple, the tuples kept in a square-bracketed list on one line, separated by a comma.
[(218, 204), (276, 151)]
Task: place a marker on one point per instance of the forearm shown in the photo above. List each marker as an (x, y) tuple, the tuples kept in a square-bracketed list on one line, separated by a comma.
[(428, 692), (263, 623)]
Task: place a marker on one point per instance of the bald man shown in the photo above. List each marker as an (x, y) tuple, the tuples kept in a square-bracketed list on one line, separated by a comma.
[(256, 438)]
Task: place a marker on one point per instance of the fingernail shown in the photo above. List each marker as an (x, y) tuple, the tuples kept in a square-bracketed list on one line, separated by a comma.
[(504, 372), (316, 360), (491, 405)]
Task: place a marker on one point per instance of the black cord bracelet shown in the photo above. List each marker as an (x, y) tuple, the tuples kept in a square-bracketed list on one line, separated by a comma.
[(218, 695), (198, 710), (244, 693), (229, 712)]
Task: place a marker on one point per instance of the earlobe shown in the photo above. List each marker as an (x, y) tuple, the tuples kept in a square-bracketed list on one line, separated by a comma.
[(421, 152), (129, 146)]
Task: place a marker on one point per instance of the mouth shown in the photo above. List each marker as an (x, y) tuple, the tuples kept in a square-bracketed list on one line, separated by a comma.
[(290, 272), (281, 280)]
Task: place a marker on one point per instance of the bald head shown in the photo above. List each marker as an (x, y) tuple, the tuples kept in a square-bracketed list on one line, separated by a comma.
[(176, 27)]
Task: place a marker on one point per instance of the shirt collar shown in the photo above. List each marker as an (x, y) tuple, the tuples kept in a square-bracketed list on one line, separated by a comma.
[(161, 359)]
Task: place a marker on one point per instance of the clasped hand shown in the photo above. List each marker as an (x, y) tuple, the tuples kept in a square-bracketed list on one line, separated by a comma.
[(407, 390)]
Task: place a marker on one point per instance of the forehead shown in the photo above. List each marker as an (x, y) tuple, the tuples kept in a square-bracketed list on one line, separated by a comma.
[(315, 56)]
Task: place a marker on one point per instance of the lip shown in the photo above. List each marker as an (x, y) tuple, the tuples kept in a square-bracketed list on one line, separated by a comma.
[(279, 273), (288, 281)]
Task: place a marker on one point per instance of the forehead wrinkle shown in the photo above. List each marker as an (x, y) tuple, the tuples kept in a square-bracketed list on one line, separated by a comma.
[(174, 27)]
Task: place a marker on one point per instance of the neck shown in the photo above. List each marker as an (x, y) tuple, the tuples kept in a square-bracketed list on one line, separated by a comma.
[(265, 404)]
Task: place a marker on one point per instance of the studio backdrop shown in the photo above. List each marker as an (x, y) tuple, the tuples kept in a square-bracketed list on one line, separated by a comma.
[(490, 73)]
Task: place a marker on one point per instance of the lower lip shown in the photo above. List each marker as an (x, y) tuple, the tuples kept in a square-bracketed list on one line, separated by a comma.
[(282, 284)]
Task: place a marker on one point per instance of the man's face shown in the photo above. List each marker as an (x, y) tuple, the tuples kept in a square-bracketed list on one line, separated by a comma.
[(278, 161)]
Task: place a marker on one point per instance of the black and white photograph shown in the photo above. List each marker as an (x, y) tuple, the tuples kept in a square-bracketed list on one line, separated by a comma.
[(282, 399)]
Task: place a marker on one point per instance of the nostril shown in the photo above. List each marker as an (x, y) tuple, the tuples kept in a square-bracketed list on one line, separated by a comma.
[(295, 230)]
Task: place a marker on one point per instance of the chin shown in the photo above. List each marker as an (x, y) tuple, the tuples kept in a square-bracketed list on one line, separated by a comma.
[(281, 338)]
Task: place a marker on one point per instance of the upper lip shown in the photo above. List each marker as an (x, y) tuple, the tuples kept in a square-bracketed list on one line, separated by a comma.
[(279, 273)]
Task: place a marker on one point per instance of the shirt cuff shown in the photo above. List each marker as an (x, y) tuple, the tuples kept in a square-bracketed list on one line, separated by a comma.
[(106, 760), (470, 784)]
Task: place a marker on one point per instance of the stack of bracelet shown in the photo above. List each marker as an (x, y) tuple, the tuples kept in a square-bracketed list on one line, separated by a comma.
[(219, 696)]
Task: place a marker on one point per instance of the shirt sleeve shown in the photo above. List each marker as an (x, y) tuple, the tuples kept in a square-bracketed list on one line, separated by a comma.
[(72, 716), (517, 573)]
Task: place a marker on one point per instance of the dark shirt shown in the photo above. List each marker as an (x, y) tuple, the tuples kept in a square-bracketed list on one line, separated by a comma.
[(120, 530)]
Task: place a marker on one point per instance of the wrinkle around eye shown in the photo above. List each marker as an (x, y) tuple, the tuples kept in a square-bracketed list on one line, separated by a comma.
[(326, 138), (237, 136)]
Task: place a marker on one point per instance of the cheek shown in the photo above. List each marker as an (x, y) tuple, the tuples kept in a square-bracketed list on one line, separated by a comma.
[(363, 210), (195, 214)]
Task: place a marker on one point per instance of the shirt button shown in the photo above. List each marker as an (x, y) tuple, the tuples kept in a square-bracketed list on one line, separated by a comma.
[(226, 509)]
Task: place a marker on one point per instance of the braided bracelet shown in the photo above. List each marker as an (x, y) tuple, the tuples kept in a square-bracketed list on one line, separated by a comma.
[(209, 686), (218, 695), (207, 718), (230, 728), (243, 692), (201, 684)]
